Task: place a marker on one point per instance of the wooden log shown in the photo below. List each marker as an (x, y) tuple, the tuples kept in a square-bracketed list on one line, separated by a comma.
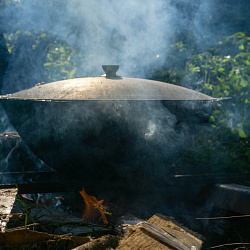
[(7, 199), (102, 243), (160, 232), (18, 237)]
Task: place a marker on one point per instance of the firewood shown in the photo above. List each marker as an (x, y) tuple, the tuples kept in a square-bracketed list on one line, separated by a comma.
[(162, 235), (102, 243), (160, 232), (26, 239), (7, 199)]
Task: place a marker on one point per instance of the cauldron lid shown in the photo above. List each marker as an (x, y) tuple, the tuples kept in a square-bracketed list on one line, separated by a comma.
[(108, 88)]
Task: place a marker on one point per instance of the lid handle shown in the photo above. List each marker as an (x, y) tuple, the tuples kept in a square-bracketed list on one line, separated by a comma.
[(110, 70)]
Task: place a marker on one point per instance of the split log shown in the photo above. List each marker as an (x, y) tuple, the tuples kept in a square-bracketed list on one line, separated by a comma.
[(7, 200), (160, 232)]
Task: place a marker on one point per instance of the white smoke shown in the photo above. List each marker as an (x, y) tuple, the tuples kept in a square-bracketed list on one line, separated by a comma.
[(128, 33), (134, 34)]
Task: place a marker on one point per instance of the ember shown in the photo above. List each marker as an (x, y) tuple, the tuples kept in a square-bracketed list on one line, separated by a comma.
[(92, 204)]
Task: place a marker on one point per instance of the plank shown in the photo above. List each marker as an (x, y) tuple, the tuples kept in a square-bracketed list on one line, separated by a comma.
[(7, 200)]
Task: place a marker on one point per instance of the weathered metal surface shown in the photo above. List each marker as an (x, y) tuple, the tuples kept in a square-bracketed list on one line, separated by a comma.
[(101, 88), (96, 139), (105, 128), (110, 71)]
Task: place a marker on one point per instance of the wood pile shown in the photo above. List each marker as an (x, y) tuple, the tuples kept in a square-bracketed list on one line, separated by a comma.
[(32, 225)]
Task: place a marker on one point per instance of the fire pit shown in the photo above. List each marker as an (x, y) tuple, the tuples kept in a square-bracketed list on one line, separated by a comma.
[(108, 129)]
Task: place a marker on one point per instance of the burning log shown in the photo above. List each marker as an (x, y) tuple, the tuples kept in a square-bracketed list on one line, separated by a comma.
[(91, 204), (158, 232), (51, 220)]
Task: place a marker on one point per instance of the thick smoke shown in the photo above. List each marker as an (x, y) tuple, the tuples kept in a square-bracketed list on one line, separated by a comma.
[(134, 34)]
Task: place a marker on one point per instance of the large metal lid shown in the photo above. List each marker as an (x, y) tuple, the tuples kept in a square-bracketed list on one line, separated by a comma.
[(108, 87)]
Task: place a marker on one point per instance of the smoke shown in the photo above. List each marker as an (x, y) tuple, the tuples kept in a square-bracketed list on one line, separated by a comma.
[(134, 34), (95, 136), (131, 34)]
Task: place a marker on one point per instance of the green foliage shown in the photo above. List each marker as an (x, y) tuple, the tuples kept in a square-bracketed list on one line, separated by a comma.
[(60, 62), (227, 76), (25, 211), (224, 75), (222, 71)]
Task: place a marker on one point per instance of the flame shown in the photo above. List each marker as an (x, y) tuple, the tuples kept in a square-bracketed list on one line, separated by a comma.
[(26, 197), (91, 205)]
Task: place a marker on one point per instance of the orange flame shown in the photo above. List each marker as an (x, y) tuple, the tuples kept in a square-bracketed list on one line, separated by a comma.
[(91, 204), (25, 197)]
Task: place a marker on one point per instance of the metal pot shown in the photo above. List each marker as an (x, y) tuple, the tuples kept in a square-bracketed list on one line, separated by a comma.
[(108, 127)]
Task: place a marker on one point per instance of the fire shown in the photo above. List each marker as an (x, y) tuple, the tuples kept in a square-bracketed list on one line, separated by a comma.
[(91, 205), (26, 197)]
